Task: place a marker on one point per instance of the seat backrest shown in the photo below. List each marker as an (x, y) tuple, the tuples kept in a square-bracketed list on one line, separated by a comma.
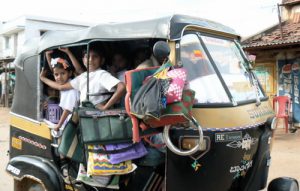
[(134, 80), (283, 105)]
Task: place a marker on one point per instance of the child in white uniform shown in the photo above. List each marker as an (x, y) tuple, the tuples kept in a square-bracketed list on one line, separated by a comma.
[(68, 98), (100, 81)]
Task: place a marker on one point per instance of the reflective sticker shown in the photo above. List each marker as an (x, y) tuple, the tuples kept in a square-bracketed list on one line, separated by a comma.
[(198, 53), (243, 167), (13, 169), (196, 165), (16, 143), (245, 143), (32, 142), (260, 112), (228, 136)]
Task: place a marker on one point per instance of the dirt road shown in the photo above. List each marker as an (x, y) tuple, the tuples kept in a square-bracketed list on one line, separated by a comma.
[(6, 182), (285, 153)]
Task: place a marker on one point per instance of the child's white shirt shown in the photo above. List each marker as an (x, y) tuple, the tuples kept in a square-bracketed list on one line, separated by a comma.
[(100, 81), (69, 99)]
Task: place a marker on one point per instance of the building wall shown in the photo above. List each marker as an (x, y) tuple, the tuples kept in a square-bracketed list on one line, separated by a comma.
[(9, 44), (16, 32), (20, 41), (265, 67), (290, 12), (34, 27)]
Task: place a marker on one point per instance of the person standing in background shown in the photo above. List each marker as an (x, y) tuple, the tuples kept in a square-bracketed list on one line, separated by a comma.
[(3, 88)]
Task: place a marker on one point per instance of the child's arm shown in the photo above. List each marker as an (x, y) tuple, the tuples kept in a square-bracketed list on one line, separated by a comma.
[(48, 57), (62, 119), (74, 61), (54, 84), (115, 97)]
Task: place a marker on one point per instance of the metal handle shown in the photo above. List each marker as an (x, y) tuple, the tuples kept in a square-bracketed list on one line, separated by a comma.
[(177, 151)]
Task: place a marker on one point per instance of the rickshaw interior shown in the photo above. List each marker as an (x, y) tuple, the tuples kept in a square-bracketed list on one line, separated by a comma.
[(130, 53)]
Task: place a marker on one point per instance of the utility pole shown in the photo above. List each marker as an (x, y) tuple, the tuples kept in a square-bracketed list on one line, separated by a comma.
[(279, 19)]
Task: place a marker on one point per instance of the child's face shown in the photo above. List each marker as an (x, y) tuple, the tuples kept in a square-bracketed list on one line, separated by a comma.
[(139, 58), (61, 75), (95, 61), (52, 92), (119, 61)]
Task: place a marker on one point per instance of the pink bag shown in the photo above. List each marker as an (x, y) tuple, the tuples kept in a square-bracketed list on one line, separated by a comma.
[(178, 77)]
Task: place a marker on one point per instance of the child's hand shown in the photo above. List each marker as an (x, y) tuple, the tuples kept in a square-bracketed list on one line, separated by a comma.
[(45, 105), (43, 73), (101, 107), (57, 127), (49, 52), (65, 50)]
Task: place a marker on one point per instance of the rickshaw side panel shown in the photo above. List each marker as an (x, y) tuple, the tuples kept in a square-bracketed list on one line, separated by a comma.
[(28, 141), (26, 97)]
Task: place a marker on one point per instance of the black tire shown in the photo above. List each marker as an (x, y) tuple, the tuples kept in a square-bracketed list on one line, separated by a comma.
[(283, 184), (28, 185)]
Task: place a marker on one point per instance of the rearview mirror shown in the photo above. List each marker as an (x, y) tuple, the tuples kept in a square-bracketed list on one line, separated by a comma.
[(251, 58)]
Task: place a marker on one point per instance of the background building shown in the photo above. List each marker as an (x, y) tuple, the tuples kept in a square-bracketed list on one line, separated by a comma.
[(277, 51), (15, 32)]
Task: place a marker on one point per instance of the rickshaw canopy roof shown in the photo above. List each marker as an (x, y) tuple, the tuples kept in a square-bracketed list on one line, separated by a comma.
[(169, 28)]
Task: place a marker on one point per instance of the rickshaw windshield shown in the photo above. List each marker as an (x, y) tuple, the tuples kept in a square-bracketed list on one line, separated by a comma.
[(199, 53), (201, 76), (229, 61)]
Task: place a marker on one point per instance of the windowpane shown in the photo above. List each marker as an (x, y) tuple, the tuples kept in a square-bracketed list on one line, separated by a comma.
[(230, 63), (201, 75)]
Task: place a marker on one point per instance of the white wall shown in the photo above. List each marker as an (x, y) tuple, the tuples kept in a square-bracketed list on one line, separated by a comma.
[(8, 46), (289, 12), (32, 27), (20, 41)]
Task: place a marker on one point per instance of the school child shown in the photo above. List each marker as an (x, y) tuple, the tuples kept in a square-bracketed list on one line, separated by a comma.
[(119, 66), (62, 72), (50, 96), (100, 81)]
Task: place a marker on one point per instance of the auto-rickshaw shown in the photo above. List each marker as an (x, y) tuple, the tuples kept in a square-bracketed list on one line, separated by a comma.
[(231, 151)]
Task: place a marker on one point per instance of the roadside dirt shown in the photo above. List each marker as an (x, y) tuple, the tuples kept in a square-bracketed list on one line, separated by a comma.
[(285, 154), (6, 182)]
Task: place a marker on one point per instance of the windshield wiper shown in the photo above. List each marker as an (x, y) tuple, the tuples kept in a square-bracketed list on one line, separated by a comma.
[(252, 77), (254, 83)]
